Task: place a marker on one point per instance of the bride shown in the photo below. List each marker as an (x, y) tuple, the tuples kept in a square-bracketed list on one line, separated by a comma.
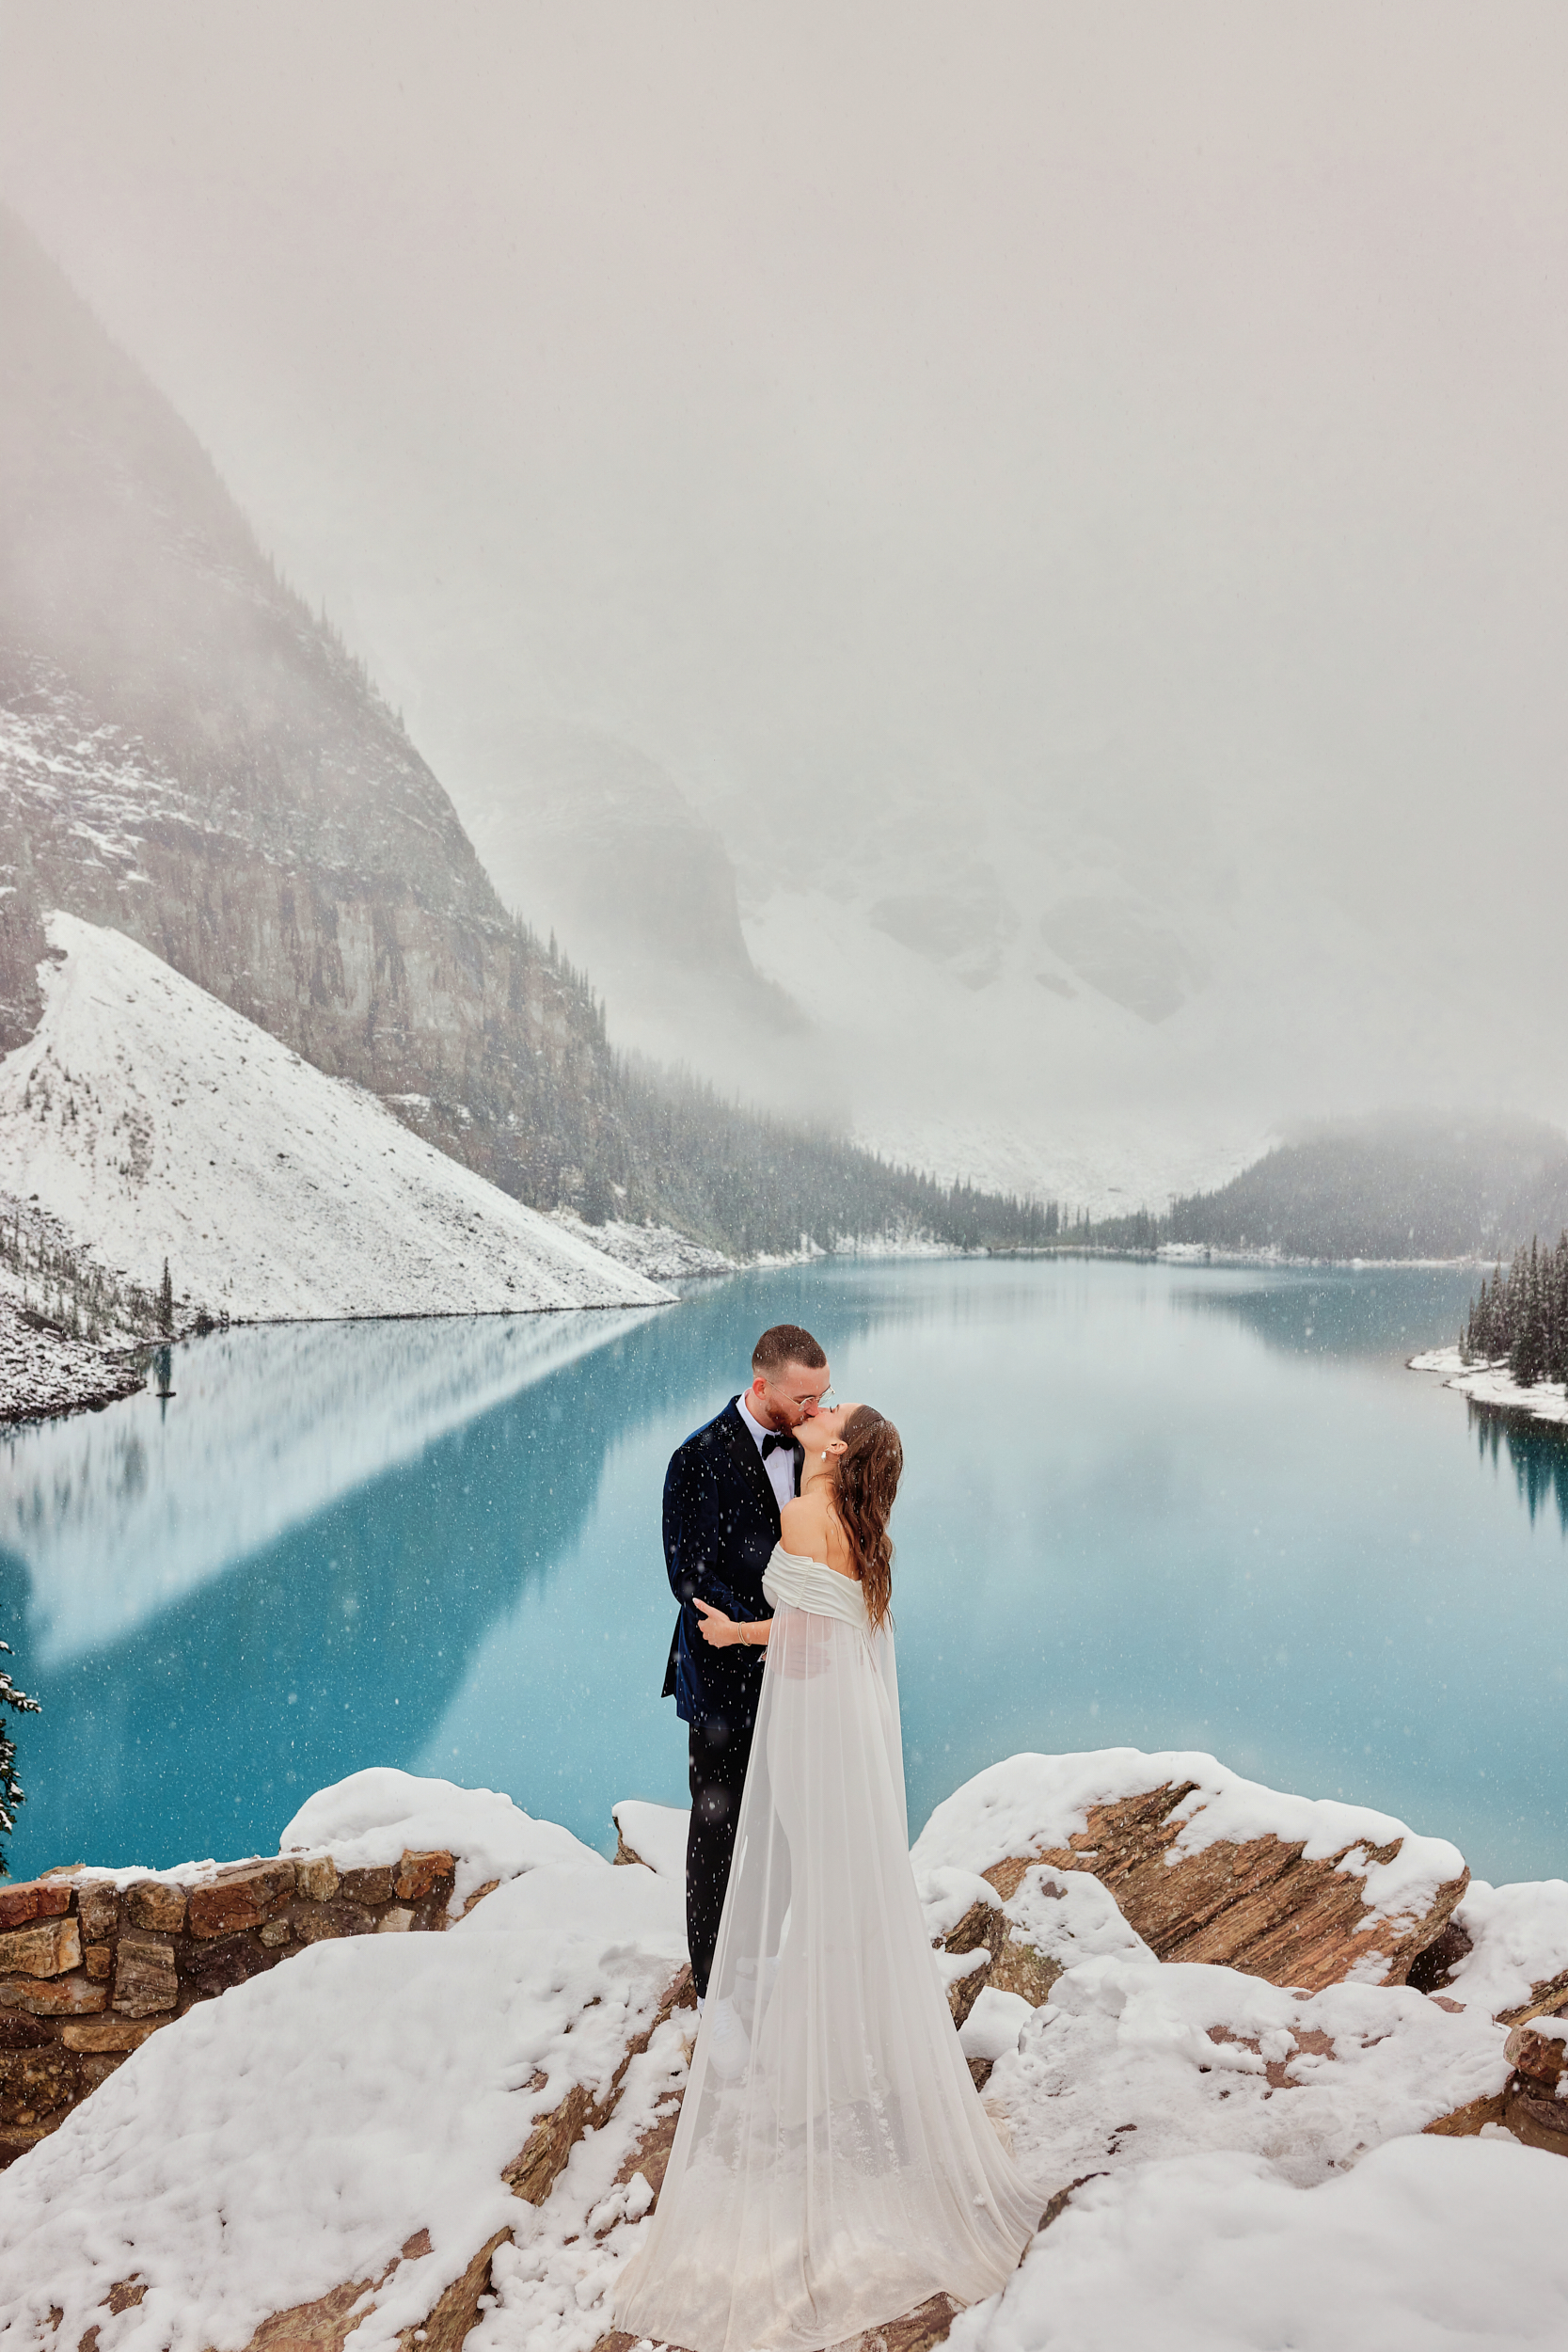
[(833, 2167)]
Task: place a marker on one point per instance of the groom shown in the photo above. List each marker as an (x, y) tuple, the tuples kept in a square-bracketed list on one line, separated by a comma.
[(724, 1493)]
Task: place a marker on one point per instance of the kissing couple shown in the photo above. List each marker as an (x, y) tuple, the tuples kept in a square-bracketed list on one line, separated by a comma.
[(833, 2167)]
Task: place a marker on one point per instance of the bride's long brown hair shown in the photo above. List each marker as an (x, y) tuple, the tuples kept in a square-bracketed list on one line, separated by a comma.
[(865, 1481)]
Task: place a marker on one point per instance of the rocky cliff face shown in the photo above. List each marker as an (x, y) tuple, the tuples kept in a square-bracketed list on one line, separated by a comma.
[(187, 756)]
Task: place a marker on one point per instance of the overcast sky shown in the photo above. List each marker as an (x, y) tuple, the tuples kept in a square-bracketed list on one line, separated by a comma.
[(904, 399)]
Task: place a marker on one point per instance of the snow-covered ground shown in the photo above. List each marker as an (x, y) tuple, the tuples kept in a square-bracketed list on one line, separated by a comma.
[(44, 1372), (158, 1123), (287, 1410), (1429, 2246), (46, 1365), (657, 1250), (1493, 1384), (394, 2084), (1259, 2174)]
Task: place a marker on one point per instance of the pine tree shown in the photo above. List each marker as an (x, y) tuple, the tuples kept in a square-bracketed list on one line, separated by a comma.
[(1527, 1356), (165, 1304), (10, 1787), (1556, 1333)]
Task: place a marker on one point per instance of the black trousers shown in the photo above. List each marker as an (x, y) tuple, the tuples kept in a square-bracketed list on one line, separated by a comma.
[(718, 1760)]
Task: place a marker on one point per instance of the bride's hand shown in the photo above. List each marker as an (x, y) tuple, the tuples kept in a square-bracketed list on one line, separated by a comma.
[(718, 1630)]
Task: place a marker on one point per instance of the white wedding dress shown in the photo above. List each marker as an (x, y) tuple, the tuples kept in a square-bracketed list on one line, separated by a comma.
[(832, 2166)]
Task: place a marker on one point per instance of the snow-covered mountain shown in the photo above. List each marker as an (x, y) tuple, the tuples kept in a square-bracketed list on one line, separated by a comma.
[(159, 1123), (1093, 1000), (190, 756)]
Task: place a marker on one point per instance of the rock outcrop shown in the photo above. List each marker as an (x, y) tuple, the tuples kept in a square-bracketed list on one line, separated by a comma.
[(1536, 2106), (1208, 1867), (505, 2098)]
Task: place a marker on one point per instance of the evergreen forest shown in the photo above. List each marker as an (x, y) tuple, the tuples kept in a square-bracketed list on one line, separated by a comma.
[(1520, 1318)]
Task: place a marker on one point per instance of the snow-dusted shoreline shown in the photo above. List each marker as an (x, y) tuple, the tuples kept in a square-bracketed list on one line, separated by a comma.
[(1205, 1253), (156, 1123), (45, 1373), (1493, 1385)]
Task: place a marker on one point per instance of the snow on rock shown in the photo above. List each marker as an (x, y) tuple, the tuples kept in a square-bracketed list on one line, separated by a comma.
[(496, 2103), (1067, 1916), (1207, 1865), (948, 1894), (1050, 1920), (1518, 1954), (1129, 2060), (1493, 1384), (158, 1123), (1428, 2242), (322, 2124), (653, 1834), (657, 1250), (373, 1817), (994, 2025), (44, 1372)]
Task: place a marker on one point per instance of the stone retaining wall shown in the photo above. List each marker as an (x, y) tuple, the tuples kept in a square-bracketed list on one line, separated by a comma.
[(90, 1963)]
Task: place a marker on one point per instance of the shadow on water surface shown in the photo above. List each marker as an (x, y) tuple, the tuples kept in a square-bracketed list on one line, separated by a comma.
[(201, 1725), (1537, 1453), (283, 1572)]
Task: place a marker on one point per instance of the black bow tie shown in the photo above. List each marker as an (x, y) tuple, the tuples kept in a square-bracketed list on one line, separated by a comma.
[(777, 1438)]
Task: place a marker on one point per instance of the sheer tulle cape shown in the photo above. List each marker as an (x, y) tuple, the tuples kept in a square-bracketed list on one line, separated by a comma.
[(832, 2166)]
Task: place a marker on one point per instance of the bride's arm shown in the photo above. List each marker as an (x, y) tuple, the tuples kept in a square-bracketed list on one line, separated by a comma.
[(722, 1631)]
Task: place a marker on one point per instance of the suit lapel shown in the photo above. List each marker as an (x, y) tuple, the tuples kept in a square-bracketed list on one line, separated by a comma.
[(748, 1460)]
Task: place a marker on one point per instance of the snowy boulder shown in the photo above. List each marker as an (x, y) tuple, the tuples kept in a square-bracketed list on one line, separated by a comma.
[(94, 1960), (1131, 2060), (1506, 1949), (1020, 1947), (1536, 2109), (1208, 1866), (963, 1918), (654, 1835), (371, 1820)]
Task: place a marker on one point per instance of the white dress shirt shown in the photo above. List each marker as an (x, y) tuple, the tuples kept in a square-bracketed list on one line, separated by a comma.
[(779, 1465)]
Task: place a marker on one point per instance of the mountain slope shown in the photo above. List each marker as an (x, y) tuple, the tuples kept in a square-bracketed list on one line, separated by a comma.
[(188, 758), (159, 1123), (1408, 1184)]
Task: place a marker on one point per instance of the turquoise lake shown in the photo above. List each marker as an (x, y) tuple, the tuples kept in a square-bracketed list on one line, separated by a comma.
[(1150, 1505)]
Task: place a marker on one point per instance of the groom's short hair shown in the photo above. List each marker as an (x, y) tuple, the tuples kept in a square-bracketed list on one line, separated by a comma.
[(786, 1343)]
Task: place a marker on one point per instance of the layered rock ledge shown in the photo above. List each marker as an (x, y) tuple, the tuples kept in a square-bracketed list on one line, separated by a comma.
[(433, 2138)]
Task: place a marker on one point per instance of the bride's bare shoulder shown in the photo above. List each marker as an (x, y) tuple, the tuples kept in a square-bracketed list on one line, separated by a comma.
[(811, 1528), (801, 1521)]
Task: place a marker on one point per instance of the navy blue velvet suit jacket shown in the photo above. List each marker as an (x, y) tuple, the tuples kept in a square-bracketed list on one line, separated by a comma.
[(721, 1525)]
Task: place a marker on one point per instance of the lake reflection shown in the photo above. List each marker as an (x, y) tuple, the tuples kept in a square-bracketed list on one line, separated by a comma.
[(1151, 1505)]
